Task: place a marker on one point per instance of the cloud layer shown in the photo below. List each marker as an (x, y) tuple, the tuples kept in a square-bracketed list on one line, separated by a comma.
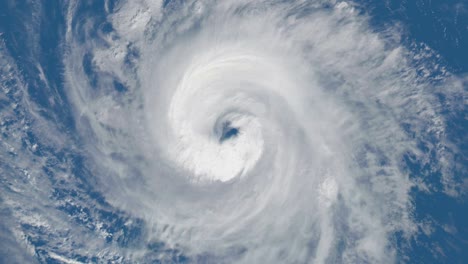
[(240, 131)]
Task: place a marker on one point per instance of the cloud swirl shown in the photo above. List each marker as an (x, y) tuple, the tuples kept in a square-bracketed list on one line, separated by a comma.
[(267, 131)]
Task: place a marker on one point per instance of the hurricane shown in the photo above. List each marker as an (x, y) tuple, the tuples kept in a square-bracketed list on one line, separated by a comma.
[(228, 132)]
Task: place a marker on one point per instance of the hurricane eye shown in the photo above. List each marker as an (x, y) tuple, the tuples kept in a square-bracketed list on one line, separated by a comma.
[(228, 132)]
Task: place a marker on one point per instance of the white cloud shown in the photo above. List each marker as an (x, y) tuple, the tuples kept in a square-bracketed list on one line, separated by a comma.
[(320, 100)]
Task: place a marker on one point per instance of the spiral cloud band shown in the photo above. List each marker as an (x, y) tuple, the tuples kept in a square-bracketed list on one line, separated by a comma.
[(256, 131)]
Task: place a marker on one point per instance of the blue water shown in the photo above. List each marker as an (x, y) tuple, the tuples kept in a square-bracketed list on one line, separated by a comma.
[(443, 26)]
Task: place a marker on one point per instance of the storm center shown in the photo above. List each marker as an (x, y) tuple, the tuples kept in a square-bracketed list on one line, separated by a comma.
[(228, 132)]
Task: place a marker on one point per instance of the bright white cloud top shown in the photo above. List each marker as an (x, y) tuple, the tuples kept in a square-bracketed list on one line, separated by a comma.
[(257, 131)]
